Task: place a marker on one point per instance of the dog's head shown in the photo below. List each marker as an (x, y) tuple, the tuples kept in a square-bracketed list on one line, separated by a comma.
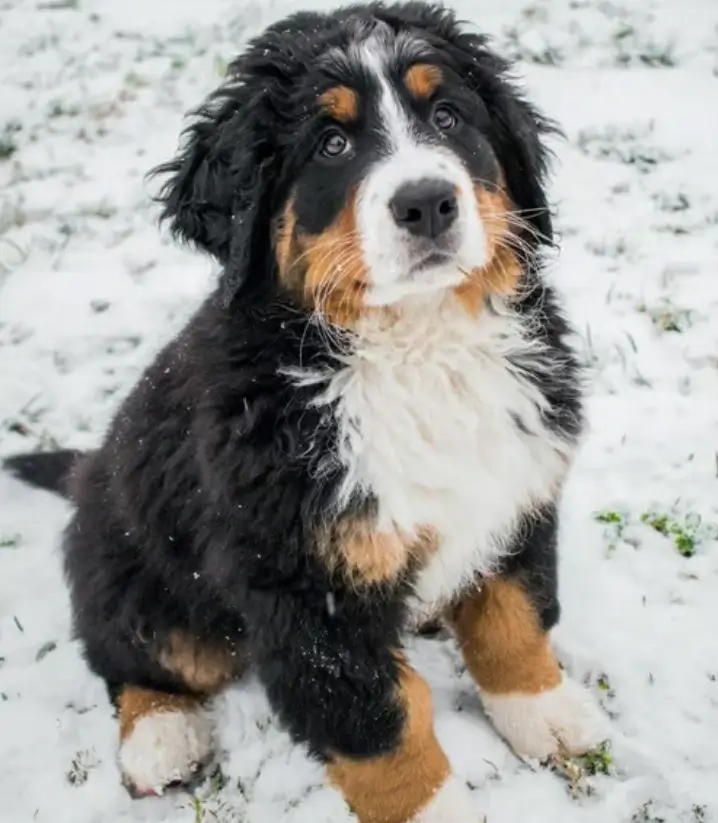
[(357, 158)]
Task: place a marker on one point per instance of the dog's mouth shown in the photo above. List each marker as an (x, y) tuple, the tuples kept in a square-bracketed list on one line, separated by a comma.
[(433, 272), (432, 260)]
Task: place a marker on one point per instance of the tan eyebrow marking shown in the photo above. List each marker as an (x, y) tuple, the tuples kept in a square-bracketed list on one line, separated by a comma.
[(341, 102), (423, 79)]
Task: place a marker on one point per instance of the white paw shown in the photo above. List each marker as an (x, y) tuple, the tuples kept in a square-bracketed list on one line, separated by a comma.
[(165, 748), (539, 725), (452, 803)]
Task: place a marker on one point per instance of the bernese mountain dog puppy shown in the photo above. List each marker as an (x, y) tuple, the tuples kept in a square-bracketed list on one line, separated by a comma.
[(366, 426)]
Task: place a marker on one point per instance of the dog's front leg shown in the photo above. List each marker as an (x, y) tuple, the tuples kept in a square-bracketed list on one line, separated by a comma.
[(412, 781), (361, 708), (503, 629)]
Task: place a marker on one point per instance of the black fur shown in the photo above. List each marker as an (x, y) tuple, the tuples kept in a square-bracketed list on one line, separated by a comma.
[(200, 510), (45, 470), (248, 141), (533, 562)]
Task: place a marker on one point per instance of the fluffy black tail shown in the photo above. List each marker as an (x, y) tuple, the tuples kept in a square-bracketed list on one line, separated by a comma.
[(45, 470)]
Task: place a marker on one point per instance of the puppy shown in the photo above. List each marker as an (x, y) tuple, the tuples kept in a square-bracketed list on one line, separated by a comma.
[(366, 426)]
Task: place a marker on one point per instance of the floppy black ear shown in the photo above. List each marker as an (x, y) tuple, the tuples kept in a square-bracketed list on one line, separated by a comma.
[(200, 194), (519, 139), (216, 188), (519, 128)]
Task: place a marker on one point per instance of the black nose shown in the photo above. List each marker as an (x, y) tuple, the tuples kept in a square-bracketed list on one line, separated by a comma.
[(425, 208)]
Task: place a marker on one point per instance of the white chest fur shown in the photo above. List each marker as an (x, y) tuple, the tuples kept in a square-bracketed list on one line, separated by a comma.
[(427, 408)]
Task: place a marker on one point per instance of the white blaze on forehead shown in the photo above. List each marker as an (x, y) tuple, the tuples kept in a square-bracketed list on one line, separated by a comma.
[(396, 128), (406, 156)]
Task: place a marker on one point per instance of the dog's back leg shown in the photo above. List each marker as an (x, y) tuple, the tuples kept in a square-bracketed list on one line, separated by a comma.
[(166, 734)]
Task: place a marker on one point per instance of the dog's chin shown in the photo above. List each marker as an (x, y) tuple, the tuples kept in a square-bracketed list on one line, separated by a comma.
[(433, 275)]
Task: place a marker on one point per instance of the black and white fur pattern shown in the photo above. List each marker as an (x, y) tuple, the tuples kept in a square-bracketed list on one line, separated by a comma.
[(384, 246), (263, 423)]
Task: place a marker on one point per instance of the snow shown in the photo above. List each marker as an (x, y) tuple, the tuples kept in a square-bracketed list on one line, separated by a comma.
[(92, 96)]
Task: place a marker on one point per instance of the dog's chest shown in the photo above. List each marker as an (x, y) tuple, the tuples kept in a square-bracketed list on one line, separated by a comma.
[(439, 426)]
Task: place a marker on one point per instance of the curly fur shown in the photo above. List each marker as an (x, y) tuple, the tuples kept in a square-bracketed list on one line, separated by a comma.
[(200, 511)]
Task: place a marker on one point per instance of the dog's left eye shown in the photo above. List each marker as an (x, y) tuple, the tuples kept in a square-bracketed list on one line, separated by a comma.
[(444, 118), (334, 144)]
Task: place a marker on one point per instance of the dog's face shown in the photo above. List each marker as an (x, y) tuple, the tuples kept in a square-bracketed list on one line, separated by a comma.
[(399, 187), (356, 159)]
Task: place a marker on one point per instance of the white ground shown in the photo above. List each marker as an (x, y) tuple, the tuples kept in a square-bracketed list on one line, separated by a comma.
[(92, 96)]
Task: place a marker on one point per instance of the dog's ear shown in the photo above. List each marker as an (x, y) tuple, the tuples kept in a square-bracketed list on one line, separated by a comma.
[(519, 128), (213, 188), (519, 134)]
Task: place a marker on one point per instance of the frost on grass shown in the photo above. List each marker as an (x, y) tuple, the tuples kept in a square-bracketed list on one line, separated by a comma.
[(686, 530), (666, 317), (634, 145), (216, 801), (593, 32), (82, 764), (580, 771), (9, 138)]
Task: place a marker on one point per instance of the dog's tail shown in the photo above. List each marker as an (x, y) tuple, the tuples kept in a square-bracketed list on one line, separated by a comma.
[(45, 470)]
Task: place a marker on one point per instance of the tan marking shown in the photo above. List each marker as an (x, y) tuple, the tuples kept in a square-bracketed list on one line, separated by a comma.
[(336, 275), (366, 556), (136, 703), (502, 641), (341, 103), (326, 272), (423, 79), (501, 274), (202, 668), (394, 787)]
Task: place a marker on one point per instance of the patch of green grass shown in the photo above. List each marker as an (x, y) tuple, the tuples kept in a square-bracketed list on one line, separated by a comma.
[(521, 42), (207, 804), (8, 143), (197, 807), (10, 541), (578, 770), (605, 686), (634, 47), (213, 810), (631, 146), (8, 147), (216, 780), (60, 109), (615, 523), (598, 761), (686, 531), (666, 317), (610, 517), (699, 813)]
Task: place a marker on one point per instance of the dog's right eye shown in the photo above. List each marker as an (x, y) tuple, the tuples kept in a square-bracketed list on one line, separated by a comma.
[(334, 144)]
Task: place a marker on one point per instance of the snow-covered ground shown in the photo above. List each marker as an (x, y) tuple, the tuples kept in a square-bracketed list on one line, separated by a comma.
[(92, 94)]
